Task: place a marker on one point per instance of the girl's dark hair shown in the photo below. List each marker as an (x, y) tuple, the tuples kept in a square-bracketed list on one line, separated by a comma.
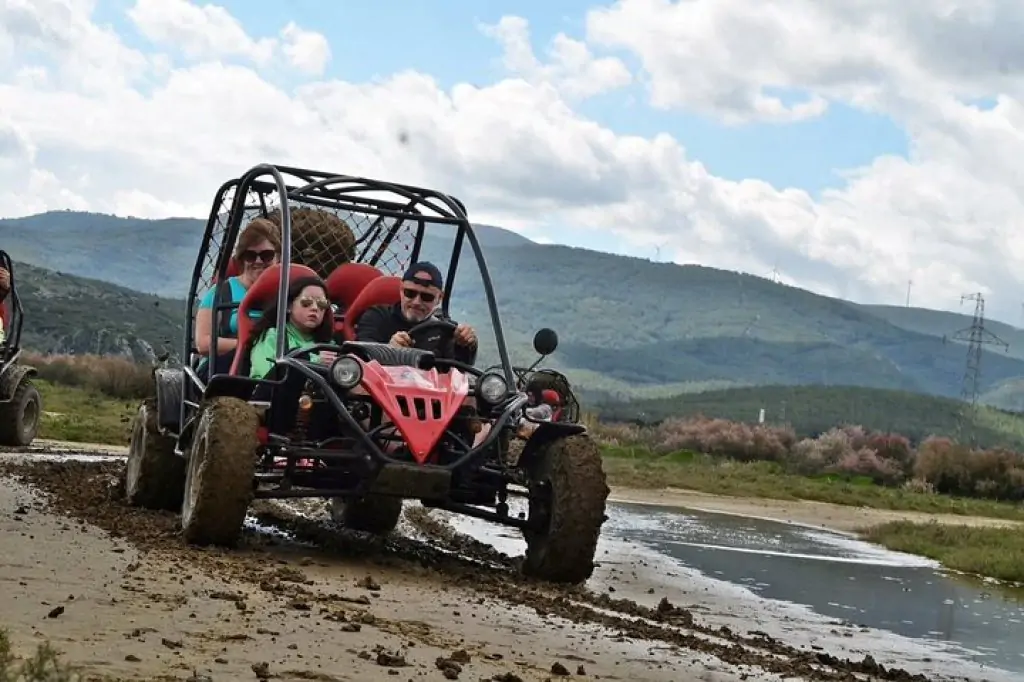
[(323, 332)]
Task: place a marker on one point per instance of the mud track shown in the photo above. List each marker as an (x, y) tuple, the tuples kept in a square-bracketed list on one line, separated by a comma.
[(86, 491)]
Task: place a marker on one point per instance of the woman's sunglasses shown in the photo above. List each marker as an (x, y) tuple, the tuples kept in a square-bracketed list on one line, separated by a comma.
[(250, 256), (411, 294), (309, 302)]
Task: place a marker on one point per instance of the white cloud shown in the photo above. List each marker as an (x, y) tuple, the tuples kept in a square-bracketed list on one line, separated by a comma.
[(307, 51), (93, 123), (573, 69), (206, 32)]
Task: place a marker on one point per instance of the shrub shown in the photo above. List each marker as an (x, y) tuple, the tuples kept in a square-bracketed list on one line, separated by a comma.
[(867, 462), (943, 464), (115, 377), (744, 442)]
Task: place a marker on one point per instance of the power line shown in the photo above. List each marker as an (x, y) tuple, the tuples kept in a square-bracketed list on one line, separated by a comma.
[(976, 337)]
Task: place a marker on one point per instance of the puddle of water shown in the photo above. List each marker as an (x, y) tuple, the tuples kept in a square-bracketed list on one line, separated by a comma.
[(839, 577)]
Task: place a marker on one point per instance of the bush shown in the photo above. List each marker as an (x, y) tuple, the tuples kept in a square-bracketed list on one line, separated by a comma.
[(938, 466), (744, 442), (111, 376), (867, 462)]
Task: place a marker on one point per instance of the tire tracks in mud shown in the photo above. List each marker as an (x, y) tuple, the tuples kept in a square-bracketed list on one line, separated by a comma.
[(87, 492)]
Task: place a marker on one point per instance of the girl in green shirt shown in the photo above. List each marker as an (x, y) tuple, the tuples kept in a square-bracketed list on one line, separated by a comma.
[(307, 326)]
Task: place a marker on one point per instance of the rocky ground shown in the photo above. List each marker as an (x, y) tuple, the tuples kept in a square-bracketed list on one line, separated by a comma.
[(120, 594)]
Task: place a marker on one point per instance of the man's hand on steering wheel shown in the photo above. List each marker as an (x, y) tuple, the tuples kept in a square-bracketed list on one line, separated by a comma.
[(465, 335), (401, 340)]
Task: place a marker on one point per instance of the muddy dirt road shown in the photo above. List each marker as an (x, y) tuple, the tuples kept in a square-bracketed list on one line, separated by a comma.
[(117, 591)]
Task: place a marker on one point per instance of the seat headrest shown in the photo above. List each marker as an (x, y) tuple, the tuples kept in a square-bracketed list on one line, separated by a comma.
[(384, 290), (348, 280), (264, 289), (234, 270)]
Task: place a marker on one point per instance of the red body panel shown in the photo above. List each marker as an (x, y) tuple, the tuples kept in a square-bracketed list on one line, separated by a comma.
[(421, 403)]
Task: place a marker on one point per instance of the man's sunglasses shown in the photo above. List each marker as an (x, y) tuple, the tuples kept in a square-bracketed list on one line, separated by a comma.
[(309, 302), (411, 294), (250, 256)]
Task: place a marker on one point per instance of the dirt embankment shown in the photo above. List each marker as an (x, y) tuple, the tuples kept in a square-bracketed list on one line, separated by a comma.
[(116, 589)]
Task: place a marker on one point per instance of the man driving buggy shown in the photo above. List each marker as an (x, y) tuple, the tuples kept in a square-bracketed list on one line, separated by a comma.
[(422, 289)]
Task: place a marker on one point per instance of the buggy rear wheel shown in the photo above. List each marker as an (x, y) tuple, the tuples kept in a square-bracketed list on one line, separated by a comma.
[(376, 514), (220, 473), (567, 503), (19, 418), (154, 477)]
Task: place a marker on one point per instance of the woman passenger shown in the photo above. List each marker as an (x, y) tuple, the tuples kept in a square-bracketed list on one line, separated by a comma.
[(258, 247)]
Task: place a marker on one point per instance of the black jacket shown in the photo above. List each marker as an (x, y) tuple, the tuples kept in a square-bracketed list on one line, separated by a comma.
[(382, 322)]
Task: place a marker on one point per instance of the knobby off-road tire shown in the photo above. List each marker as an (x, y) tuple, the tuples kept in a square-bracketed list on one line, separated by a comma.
[(376, 514), (19, 419), (154, 477), (569, 491), (220, 472)]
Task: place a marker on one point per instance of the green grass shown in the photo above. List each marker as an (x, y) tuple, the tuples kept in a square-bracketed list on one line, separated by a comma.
[(43, 666), (990, 552), (84, 416), (638, 468)]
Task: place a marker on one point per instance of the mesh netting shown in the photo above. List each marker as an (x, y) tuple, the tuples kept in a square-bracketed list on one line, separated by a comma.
[(322, 238)]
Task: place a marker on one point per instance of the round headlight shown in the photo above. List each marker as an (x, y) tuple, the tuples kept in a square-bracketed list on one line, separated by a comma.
[(347, 372), (492, 387)]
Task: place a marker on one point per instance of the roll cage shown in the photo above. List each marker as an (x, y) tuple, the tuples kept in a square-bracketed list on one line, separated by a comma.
[(392, 222), (340, 193)]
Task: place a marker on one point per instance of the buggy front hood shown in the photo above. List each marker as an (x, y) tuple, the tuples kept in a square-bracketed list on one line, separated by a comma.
[(421, 403)]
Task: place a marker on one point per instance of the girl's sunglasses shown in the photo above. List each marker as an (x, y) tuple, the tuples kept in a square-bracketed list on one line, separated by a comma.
[(250, 256), (309, 302), (411, 294)]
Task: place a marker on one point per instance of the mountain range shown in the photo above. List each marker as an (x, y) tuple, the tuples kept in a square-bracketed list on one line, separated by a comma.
[(629, 327)]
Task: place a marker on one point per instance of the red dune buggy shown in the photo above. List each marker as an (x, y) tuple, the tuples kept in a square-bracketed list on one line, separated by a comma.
[(20, 403), (378, 425)]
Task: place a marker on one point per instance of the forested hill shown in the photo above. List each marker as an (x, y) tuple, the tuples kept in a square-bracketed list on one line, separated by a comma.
[(629, 327)]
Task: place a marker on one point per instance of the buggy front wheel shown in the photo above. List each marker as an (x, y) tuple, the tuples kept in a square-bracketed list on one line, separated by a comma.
[(376, 514), (220, 473), (567, 509), (154, 475)]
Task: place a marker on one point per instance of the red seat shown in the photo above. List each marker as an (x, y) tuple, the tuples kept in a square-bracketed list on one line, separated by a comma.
[(384, 290), (258, 297), (234, 270), (551, 397), (5, 314), (344, 285)]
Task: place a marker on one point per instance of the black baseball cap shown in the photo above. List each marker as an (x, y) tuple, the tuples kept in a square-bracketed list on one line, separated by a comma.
[(424, 273)]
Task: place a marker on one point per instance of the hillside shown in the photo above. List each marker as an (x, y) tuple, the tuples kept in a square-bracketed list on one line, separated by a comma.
[(70, 314), (812, 410), (630, 327)]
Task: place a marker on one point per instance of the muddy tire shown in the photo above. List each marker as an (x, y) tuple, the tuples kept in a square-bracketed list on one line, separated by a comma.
[(376, 514), (567, 495), (154, 477), (19, 419), (220, 472)]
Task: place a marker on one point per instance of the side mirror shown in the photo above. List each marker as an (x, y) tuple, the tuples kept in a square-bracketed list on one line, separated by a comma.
[(545, 341)]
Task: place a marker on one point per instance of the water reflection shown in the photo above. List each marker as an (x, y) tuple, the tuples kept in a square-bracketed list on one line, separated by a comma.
[(838, 577)]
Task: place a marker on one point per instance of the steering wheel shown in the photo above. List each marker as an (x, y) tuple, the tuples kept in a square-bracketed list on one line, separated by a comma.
[(447, 328)]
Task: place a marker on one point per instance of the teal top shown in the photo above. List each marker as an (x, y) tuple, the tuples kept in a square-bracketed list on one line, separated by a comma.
[(264, 351), (236, 294)]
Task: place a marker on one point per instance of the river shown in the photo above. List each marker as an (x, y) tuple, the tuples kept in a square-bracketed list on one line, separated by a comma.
[(797, 582)]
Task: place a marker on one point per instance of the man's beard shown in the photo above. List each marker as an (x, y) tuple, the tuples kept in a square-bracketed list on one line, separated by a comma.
[(416, 317)]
